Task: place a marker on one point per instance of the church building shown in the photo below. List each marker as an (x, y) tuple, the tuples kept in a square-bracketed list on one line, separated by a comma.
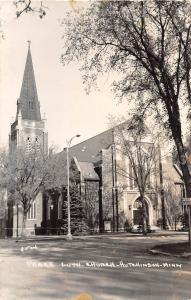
[(109, 187), (28, 128), (106, 183)]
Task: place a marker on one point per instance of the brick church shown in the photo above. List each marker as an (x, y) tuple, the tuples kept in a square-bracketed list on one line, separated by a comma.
[(102, 164), (112, 201)]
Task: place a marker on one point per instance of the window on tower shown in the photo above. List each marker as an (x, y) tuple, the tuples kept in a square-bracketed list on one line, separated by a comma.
[(37, 144), (31, 105), (28, 144)]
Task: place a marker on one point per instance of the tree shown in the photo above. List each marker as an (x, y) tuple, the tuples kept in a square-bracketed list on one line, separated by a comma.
[(3, 194), (147, 44), (143, 159), (26, 6), (78, 211), (27, 173), (173, 203)]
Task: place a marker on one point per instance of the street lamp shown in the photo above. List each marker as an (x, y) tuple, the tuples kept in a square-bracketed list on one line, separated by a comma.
[(68, 142), (17, 205)]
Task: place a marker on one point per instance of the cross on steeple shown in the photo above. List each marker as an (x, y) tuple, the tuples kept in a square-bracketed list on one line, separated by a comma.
[(29, 44)]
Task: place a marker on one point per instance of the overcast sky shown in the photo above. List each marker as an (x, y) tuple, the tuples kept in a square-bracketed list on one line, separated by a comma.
[(68, 109)]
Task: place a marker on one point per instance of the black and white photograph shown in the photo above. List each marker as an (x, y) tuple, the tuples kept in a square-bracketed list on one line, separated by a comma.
[(95, 150)]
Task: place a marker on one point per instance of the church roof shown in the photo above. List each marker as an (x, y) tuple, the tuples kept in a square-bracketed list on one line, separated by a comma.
[(87, 170), (89, 150), (28, 102)]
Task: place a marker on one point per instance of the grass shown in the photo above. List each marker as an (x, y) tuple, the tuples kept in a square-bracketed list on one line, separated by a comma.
[(176, 248)]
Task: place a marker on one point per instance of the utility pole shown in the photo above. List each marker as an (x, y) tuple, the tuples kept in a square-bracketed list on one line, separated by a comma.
[(17, 219), (187, 201), (189, 224), (69, 235)]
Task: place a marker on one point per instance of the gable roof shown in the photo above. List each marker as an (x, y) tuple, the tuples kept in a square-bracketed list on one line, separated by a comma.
[(87, 171)]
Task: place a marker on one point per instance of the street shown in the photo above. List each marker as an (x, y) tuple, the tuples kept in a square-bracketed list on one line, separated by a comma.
[(109, 267)]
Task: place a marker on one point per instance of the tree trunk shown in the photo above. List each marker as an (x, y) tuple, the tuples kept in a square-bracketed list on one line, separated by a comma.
[(145, 231), (184, 166)]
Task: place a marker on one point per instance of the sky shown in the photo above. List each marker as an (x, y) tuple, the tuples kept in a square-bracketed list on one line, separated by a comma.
[(68, 109)]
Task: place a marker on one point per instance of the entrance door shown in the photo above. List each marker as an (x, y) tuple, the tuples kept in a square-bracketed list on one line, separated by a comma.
[(138, 212)]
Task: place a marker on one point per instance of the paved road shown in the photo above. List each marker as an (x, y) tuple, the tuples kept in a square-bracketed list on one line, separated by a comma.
[(98, 268)]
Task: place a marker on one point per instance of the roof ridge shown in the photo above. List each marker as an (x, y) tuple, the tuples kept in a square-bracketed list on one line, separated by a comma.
[(110, 129)]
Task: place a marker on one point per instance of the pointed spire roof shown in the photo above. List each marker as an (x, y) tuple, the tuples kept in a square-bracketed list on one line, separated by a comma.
[(30, 107)]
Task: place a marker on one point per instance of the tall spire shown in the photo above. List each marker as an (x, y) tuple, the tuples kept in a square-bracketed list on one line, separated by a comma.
[(30, 107)]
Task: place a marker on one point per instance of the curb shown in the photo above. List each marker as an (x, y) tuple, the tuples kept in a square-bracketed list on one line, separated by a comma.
[(44, 239), (97, 236)]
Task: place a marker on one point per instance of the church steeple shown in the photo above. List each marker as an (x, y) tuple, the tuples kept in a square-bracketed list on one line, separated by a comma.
[(29, 104), (28, 126)]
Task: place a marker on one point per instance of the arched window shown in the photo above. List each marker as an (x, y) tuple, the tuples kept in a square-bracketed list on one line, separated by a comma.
[(138, 212), (48, 208), (31, 105), (32, 211), (37, 144), (132, 177), (140, 168), (60, 208)]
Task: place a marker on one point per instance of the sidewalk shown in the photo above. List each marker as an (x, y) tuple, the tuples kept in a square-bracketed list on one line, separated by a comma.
[(109, 235)]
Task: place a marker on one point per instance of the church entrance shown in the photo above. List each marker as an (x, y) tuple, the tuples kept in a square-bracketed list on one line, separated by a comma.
[(138, 212)]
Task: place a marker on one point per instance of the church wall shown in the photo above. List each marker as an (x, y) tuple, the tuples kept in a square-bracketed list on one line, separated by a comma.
[(125, 196), (127, 199), (92, 204), (30, 224), (3, 212), (33, 130), (89, 193)]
